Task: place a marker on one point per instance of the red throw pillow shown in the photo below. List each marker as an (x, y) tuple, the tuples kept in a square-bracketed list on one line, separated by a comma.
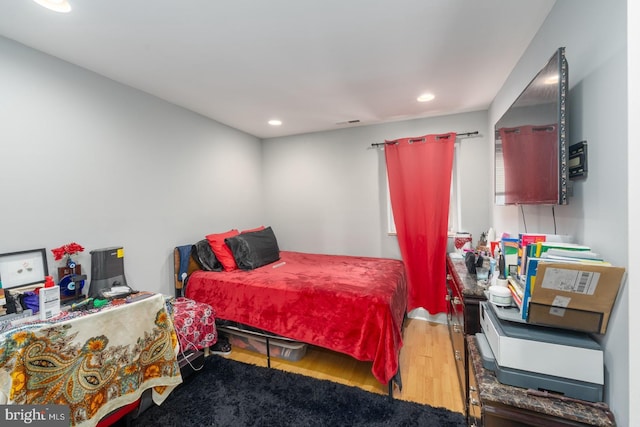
[(251, 230), (222, 251)]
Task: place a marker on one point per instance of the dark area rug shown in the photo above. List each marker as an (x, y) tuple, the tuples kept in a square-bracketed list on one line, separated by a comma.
[(230, 393)]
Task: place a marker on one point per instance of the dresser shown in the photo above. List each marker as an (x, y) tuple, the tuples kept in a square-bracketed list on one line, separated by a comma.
[(488, 402), (501, 405), (463, 319)]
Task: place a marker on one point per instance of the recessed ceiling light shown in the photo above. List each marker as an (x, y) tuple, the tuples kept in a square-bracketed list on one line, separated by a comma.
[(425, 97), (55, 5), (275, 122)]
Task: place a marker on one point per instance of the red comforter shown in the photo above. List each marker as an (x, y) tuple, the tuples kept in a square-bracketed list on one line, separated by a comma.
[(353, 305)]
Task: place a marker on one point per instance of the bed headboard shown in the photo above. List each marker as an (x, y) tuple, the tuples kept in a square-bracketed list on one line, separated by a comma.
[(183, 262)]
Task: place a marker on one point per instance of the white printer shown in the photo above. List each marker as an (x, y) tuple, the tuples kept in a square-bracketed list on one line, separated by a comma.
[(541, 358)]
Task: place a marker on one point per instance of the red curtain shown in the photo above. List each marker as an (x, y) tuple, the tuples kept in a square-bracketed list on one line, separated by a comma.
[(419, 173), (530, 156)]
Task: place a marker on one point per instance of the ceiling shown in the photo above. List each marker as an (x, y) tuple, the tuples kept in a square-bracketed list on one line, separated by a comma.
[(314, 65)]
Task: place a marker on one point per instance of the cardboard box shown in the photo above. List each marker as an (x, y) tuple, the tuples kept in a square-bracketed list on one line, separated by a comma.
[(575, 296)]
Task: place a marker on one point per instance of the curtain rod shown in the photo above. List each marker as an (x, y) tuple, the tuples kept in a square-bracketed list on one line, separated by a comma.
[(393, 142)]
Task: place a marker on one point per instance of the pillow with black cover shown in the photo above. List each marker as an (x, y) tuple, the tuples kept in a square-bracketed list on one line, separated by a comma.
[(204, 256), (254, 249)]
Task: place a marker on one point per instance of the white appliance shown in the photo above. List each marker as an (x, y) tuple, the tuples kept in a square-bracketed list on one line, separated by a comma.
[(548, 351)]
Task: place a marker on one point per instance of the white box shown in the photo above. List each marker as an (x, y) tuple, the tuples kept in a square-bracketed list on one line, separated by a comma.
[(548, 351), (49, 302)]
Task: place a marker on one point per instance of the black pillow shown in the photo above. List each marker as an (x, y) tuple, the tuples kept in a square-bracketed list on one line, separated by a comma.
[(204, 256), (254, 249)]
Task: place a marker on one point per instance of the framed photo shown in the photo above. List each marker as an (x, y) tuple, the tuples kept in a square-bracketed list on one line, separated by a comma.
[(23, 268)]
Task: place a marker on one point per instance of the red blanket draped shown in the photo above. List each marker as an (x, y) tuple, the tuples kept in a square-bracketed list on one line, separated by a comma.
[(353, 305)]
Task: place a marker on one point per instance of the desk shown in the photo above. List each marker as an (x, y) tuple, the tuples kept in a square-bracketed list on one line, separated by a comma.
[(94, 362)]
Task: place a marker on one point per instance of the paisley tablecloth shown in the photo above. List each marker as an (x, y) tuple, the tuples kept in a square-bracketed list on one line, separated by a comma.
[(95, 362)]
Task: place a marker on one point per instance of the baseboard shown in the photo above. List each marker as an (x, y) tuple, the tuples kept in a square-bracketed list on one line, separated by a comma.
[(422, 314)]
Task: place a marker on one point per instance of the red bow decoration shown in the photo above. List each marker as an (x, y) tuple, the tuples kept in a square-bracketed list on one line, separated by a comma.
[(66, 250)]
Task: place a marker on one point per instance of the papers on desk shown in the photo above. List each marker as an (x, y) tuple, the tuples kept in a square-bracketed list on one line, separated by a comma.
[(117, 292)]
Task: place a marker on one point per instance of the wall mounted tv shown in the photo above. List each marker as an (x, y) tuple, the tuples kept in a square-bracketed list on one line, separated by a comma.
[(531, 141)]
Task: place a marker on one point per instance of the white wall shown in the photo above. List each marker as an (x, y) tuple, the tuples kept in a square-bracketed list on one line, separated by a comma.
[(633, 70), (326, 192), (594, 34), (85, 159)]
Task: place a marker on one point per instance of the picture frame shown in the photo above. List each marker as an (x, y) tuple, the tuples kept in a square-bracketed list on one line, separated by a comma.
[(23, 268)]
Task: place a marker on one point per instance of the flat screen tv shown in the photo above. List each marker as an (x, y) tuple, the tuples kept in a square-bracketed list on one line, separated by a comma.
[(531, 141)]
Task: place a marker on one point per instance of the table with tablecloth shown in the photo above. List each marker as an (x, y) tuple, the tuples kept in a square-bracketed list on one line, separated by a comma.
[(94, 361)]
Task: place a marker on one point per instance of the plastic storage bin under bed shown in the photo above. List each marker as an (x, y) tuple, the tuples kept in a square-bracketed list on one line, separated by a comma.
[(279, 347)]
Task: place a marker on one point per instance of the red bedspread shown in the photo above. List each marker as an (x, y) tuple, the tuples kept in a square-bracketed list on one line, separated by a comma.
[(353, 305)]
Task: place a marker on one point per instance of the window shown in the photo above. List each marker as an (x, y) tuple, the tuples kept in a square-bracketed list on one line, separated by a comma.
[(391, 225), (499, 177), (455, 198)]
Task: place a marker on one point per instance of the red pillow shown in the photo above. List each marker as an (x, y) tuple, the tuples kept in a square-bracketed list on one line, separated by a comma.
[(222, 251), (251, 230)]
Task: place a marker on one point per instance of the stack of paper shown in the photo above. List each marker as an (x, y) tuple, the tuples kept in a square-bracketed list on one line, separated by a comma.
[(526, 245)]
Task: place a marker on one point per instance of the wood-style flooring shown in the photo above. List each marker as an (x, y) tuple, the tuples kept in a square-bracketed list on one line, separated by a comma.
[(426, 363)]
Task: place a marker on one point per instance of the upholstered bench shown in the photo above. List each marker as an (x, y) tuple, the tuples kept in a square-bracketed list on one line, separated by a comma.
[(195, 324), (194, 321)]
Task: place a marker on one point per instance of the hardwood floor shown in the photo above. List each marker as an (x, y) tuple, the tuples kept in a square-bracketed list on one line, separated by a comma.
[(426, 363)]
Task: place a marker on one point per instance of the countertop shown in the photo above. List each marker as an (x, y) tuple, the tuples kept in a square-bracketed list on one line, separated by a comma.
[(469, 282)]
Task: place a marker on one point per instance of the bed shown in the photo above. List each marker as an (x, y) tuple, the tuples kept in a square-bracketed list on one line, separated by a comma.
[(352, 305)]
